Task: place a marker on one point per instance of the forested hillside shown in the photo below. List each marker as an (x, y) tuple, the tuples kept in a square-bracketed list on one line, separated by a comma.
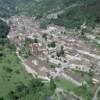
[(87, 11), (43, 7), (84, 10)]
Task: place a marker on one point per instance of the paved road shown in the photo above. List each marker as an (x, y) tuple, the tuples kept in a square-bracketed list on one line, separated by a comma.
[(96, 93)]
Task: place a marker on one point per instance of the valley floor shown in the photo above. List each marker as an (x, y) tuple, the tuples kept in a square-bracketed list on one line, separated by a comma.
[(37, 49)]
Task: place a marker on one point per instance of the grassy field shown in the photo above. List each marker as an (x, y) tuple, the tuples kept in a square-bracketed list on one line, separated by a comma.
[(85, 91), (65, 84)]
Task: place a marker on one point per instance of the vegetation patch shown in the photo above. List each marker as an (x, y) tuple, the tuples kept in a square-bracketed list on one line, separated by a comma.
[(65, 84), (15, 83)]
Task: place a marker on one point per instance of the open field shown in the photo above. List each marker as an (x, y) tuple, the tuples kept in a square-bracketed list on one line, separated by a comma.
[(65, 84)]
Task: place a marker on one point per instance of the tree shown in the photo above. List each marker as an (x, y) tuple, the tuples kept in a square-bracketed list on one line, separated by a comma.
[(58, 54), (52, 85), (52, 44), (98, 94), (11, 95), (62, 51), (97, 20), (44, 36), (43, 25), (82, 32), (4, 29), (91, 72), (36, 40), (1, 98)]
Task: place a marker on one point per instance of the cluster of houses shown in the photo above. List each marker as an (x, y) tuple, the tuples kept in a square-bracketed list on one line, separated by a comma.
[(77, 54)]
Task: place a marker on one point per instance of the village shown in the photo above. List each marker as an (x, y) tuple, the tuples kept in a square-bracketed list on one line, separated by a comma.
[(52, 53)]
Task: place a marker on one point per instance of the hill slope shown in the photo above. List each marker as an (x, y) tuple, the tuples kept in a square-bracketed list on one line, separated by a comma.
[(86, 10)]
